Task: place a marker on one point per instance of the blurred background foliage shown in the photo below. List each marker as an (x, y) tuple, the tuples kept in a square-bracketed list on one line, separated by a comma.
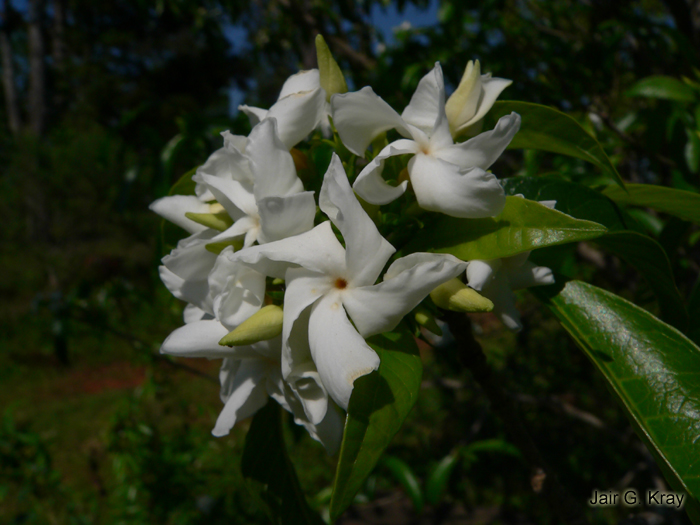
[(106, 104)]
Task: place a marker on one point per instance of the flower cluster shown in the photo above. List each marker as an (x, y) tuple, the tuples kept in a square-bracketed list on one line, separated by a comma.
[(253, 226)]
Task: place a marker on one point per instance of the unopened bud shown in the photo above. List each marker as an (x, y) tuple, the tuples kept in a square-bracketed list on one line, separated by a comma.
[(426, 319), (218, 221), (265, 324), (456, 296)]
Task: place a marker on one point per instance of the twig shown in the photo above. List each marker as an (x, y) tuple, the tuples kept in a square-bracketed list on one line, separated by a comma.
[(544, 479)]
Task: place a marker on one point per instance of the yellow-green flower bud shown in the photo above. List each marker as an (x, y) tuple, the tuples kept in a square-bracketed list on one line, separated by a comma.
[(218, 221), (424, 318), (456, 296), (331, 77), (265, 324)]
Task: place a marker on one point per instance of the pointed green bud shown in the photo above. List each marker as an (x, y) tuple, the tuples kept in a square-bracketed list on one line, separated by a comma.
[(277, 281), (456, 296), (219, 221), (332, 79), (265, 324), (425, 318), (218, 247)]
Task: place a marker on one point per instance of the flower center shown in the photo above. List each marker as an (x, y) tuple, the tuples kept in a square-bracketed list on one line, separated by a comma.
[(341, 283)]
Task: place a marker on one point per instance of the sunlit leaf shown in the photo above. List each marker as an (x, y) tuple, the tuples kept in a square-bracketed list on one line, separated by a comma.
[(662, 87), (652, 369), (640, 251), (548, 129), (522, 226), (378, 406), (265, 461)]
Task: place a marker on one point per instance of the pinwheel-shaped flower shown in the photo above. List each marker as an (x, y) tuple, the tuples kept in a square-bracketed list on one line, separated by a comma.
[(266, 200), (446, 177), (327, 285)]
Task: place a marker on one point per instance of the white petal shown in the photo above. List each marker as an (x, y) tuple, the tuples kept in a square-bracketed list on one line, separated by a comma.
[(366, 251), (318, 250), (328, 432), (190, 260), (361, 116), (201, 339), (173, 209), (255, 115), (427, 101), (282, 217), (237, 198), (302, 81), (485, 148), (379, 308), (498, 290), (298, 115), (271, 163), (192, 313), (464, 102), (243, 226), (468, 193), (234, 143), (370, 185), (491, 89), (481, 273), (248, 395), (306, 384), (304, 288), (194, 291), (236, 291), (530, 275), (340, 353)]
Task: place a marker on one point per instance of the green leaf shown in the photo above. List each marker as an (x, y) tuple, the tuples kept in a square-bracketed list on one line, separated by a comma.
[(407, 478), (185, 185), (649, 259), (378, 406), (667, 88), (439, 476), (548, 129), (331, 77), (651, 368), (522, 226), (265, 461), (679, 203), (640, 251)]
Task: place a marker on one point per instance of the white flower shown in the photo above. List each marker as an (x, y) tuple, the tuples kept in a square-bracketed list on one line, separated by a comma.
[(497, 278), (446, 177), (300, 108), (249, 376), (267, 202), (472, 99), (328, 284)]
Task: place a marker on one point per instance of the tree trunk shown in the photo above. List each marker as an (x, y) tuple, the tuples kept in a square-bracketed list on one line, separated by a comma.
[(37, 82), (8, 72)]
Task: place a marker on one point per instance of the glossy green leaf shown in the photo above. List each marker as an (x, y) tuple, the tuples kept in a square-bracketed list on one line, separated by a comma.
[(522, 226), (185, 185), (651, 368), (265, 461), (650, 260), (667, 88), (439, 476), (548, 129), (679, 203), (640, 251), (378, 406), (407, 478)]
